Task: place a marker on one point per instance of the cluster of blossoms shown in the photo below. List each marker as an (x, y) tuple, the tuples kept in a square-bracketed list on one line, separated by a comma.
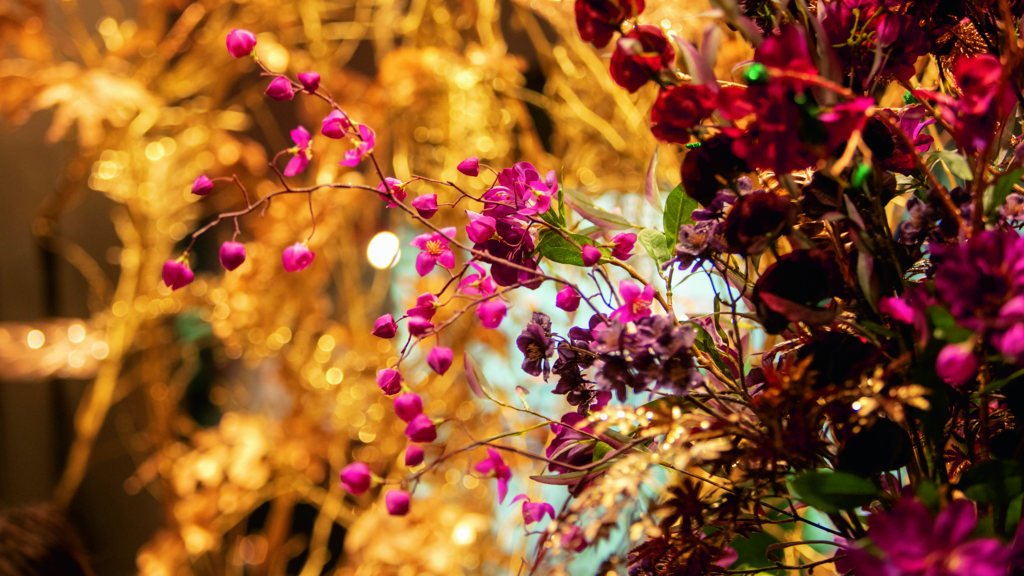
[(893, 354)]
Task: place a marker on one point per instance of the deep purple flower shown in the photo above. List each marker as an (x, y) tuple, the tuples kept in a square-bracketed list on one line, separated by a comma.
[(641, 55), (799, 287), (894, 155), (310, 81), (280, 89), (435, 251), (202, 185), (495, 465), (177, 274), (385, 327), (356, 478), (513, 244), (296, 257), (469, 166), (975, 279), (395, 186), (571, 443), (440, 359), (302, 153), (845, 119), (622, 245), (408, 406), (636, 302), (364, 145), (232, 255), (536, 345), (695, 240), (389, 381), (413, 455), (419, 326), (598, 20), (986, 98), (426, 305), (568, 299), (335, 125), (491, 313), (755, 220), (678, 110), (425, 205), (397, 502), (240, 42), (591, 255), (421, 429), (956, 363)]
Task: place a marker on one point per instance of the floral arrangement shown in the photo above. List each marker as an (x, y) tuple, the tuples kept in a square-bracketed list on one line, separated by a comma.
[(859, 377)]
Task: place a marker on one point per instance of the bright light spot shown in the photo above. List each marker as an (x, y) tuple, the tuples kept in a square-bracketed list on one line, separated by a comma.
[(100, 350), (76, 333), (463, 534), (76, 359), (36, 339), (705, 425), (326, 343), (154, 151), (334, 376), (383, 251), (856, 406)]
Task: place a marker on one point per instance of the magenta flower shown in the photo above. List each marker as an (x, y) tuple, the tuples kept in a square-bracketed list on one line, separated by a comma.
[(636, 303), (356, 478), (956, 363), (481, 228), (897, 308), (1011, 342), (469, 166), (494, 465), (534, 511), (435, 250), (396, 187), (177, 274), (280, 89), (491, 313), (426, 305), (397, 502), (335, 125), (297, 257), (440, 359), (202, 186), (573, 539), (302, 153), (568, 299), (419, 326), (385, 327), (591, 255), (421, 429), (426, 205), (478, 284), (310, 81), (389, 381), (232, 254), (241, 42), (367, 139), (408, 406), (622, 245), (413, 455)]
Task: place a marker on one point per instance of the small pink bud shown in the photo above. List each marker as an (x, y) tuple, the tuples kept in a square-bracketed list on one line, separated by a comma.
[(426, 305), (622, 245), (241, 42), (419, 326), (202, 186), (355, 478), (591, 255), (297, 257), (440, 359), (426, 205), (390, 381), (280, 89), (408, 406), (385, 327), (568, 299), (956, 363), (491, 313), (470, 166), (310, 81), (232, 254), (397, 189), (413, 455), (397, 502), (421, 429), (177, 274), (335, 125)]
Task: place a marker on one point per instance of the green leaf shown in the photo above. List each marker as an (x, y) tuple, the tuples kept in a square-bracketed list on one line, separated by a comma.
[(995, 481), (993, 386), (600, 451), (877, 328), (832, 491), (557, 248), (656, 245), (1003, 187), (598, 216), (678, 208), (190, 327), (945, 325), (956, 164)]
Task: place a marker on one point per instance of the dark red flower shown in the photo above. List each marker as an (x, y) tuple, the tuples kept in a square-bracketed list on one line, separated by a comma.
[(678, 109), (639, 56), (798, 288), (598, 20), (754, 220), (703, 166)]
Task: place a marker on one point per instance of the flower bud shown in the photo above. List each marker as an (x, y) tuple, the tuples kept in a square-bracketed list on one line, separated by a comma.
[(491, 313), (481, 228), (956, 363), (280, 89), (408, 406), (202, 186), (413, 455), (177, 274), (397, 189), (426, 205), (469, 166), (568, 299), (297, 257), (310, 81), (1011, 343), (419, 326), (335, 125), (421, 429), (397, 502), (232, 254), (440, 359), (622, 245), (390, 381), (241, 42), (385, 327), (591, 255), (355, 478)]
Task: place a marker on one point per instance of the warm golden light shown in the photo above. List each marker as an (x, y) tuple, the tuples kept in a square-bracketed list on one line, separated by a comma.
[(36, 339), (76, 333), (383, 251)]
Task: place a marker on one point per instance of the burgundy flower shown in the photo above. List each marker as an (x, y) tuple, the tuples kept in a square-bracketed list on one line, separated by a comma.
[(413, 455), (571, 444), (703, 166), (598, 20), (975, 279), (799, 287), (568, 299), (678, 109), (426, 205), (385, 327), (232, 255), (310, 81), (871, 41), (202, 185), (640, 56), (356, 478), (280, 89), (494, 465), (845, 119), (240, 42), (421, 429), (512, 244), (536, 345), (894, 155), (397, 502), (440, 359), (296, 257), (408, 406), (177, 274), (755, 220), (389, 381)]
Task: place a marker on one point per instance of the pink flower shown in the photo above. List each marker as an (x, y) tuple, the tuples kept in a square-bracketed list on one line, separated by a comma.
[(241, 42), (421, 429), (534, 511), (389, 381), (426, 205), (440, 359), (297, 257), (310, 81), (397, 502), (1011, 342), (478, 284), (573, 539), (636, 303), (385, 327), (435, 250), (302, 153), (897, 308), (622, 245), (426, 305), (280, 89), (364, 146), (591, 255), (495, 465), (396, 187), (481, 228), (232, 254), (419, 326), (413, 455), (177, 274), (491, 313), (356, 478), (408, 406), (568, 299), (956, 363), (335, 125), (202, 186), (469, 166)]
